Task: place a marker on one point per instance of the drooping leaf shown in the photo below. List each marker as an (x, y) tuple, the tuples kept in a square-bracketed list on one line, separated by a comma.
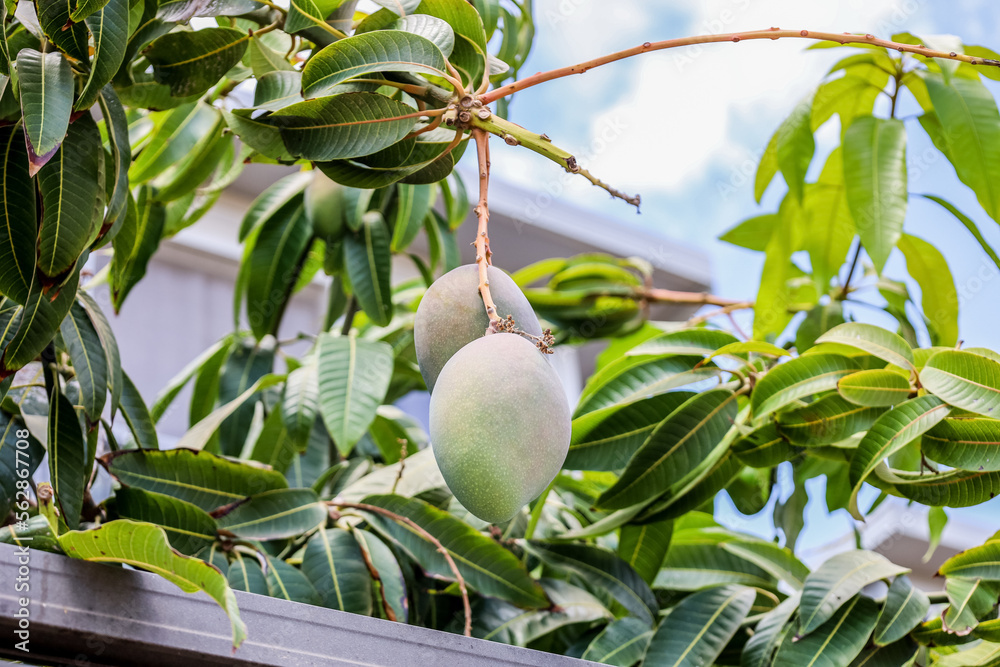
[(795, 147), (368, 259), (678, 445), (753, 233), (964, 379), (898, 654), (685, 342), (273, 446), (248, 363), (89, 360), (67, 448), (890, 433), (137, 416), (697, 629), (202, 479), (836, 582), (905, 608), (194, 61), (771, 310), (109, 25), (300, 404), (18, 222), (835, 642), (873, 340), (46, 83), (389, 574), (264, 59), (135, 244), (644, 546), (188, 527), (199, 436), (412, 204), (970, 444), (354, 376), (797, 379), (176, 134), (245, 574), (485, 564), (969, 224), (769, 634), (622, 643), (982, 562), (630, 379), (61, 29), (145, 546), (874, 388), (968, 601), (32, 327), (273, 515), (429, 27), (875, 176), (825, 421), (777, 561), (287, 582), (939, 298), (954, 488), (343, 126)]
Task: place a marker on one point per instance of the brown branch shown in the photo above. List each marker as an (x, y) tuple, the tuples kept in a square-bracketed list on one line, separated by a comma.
[(482, 243), (398, 518), (772, 33), (725, 310), (656, 295)]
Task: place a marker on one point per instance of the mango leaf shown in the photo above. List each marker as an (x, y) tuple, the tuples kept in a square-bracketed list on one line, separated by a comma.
[(264, 59), (763, 448), (300, 403), (964, 379), (769, 634), (751, 347), (779, 562), (367, 53), (875, 177), (391, 583), (771, 313), (873, 340), (353, 379), (135, 244), (890, 433), (621, 643), (109, 25), (969, 224), (276, 90), (46, 85), (18, 218), (970, 444), (89, 361), (343, 126), (835, 642), (696, 561), (485, 564), (898, 654), (594, 567), (429, 27), (982, 562), (905, 608), (631, 379), (202, 479), (719, 471), (272, 200), (176, 134), (968, 601), (191, 62), (369, 265), (797, 379), (412, 204), (690, 341), (304, 14), (954, 488), (828, 218), (273, 447), (874, 388), (825, 421), (838, 580), (273, 515), (245, 574), (967, 109), (145, 546), (697, 629), (61, 29), (67, 448), (606, 439), (189, 528), (287, 582), (939, 298), (753, 233), (645, 546), (32, 327), (767, 168), (982, 655), (678, 445), (495, 620), (795, 147), (137, 416)]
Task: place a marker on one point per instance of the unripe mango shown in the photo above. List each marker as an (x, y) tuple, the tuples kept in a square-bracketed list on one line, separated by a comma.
[(324, 202), (451, 315), (500, 425)]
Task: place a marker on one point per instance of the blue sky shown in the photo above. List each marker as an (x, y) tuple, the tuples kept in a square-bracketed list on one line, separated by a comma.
[(686, 128)]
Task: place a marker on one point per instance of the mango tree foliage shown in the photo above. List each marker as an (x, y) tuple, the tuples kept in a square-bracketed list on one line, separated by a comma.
[(122, 123)]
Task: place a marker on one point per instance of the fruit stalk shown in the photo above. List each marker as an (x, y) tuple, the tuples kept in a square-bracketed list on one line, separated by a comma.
[(483, 253)]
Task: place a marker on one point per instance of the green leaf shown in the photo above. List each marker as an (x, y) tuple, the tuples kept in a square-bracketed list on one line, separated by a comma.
[(777, 561), (763, 448), (275, 198), (969, 224), (954, 488), (202, 479), (135, 244), (485, 564), (766, 169), (968, 443), (176, 134), (89, 361), (273, 446), (85, 8), (429, 27), (982, 655), (367, 53), (753, 233), (939, 298), (716, 473), (46, 85), (795, 147), (264, 59), (838, 580), (273, 515), (343, 126), (905, 608), (189, 528), (300, 403), (139, 421), (645, 546), (354, 376), (495, 620), (369, 266), (412, 204), (890, 433), (32, 327), (621, 643), (606, 439), (678, 445), (825, 421), (145, 546), (68, 458), (771, 314), (109, 25), (875, 176), (873, 340), (751, 347), (392, 583), (899, 654), (287, 582), (59, 28), (245, 574), (982, 562), (696, 630), (967, 109), (828, 219), (769, 634), (192, 62), (875, 388), (631, 379), (276, 90), (303, 14), (969, 600), (696, 561), (594, 567), (834, 643), (18, 221), (69, 185), (685, 342), (797, 379), (964, 379)]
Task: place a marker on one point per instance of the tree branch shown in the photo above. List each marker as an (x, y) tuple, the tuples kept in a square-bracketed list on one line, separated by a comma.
[(482, 243), (725, 310), (398, 518), (695, 298), (772, 33)]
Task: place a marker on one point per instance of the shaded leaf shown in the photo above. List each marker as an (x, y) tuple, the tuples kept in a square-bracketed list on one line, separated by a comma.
[(188, 527), (697, 629), (368, 259), (836, 582), (834, 643), (18, 222), (192, 62), (274, 514), (905, 608)]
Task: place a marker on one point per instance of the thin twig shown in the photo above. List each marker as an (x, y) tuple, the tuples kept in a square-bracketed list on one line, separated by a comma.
[(398, 518), (482, 243), (695, 298), (772, 33), (433, 125), (352, 309), (725, 310), (850, 272)]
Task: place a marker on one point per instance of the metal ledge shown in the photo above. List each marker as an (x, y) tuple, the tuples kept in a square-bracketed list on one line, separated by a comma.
[(90, 614)]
